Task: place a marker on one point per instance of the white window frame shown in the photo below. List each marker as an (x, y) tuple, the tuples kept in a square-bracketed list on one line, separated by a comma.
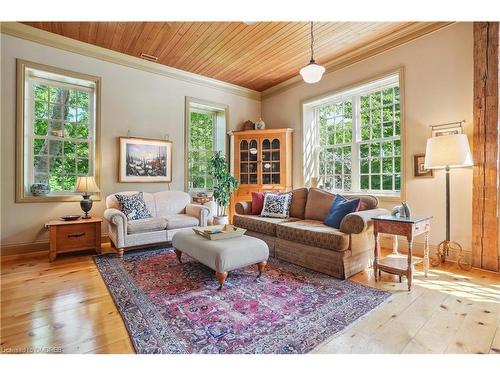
[(219, 113), (310, 113), (27, 73), (31, 136), (213, 114)]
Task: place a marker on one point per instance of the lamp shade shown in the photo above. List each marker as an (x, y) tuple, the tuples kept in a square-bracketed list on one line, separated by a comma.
[(86, 184), (447, 151), (312, 72)]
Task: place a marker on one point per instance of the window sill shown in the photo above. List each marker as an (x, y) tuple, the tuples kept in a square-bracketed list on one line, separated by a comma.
[(54, 198), (380, 197)]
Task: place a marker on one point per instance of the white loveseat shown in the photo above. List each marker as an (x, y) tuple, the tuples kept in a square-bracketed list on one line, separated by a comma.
[(170, 210)]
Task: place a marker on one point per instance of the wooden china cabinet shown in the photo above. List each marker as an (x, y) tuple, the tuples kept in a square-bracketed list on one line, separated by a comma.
[(262, 161)]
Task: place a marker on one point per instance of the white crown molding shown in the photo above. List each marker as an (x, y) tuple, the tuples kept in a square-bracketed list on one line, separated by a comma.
[(402, 36), (61, 42)]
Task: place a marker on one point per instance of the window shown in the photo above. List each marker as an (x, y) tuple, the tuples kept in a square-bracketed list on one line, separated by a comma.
[(59, 129), (206, 133), (356, 138)]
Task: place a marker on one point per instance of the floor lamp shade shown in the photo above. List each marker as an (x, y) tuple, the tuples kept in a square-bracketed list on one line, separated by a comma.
[(448, 151)]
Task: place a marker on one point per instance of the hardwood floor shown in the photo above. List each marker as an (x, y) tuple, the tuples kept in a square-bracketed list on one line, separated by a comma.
[(64, 306)]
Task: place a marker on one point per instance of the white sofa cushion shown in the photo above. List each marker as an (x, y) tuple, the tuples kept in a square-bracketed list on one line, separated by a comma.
[(171, 202), (175, 221), (152, 224)]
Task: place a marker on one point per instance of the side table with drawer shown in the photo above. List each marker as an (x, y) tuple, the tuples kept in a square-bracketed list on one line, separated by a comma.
[(67, 236), (409, 227)]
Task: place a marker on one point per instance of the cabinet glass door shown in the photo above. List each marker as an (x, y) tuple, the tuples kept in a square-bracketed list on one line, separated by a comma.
[(271, 161), (248, 161)]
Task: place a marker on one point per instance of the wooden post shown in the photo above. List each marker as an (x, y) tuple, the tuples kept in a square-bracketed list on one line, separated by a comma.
[(485, 147)]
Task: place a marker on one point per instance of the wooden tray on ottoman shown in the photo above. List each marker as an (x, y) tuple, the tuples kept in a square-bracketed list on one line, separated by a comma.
[(219, 232)]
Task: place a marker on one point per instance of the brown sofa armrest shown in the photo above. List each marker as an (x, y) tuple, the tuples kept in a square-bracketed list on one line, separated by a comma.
[(357, 222), (243, 208)]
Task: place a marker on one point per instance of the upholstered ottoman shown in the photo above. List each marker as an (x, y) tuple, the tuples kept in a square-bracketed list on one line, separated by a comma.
[(222, 255)]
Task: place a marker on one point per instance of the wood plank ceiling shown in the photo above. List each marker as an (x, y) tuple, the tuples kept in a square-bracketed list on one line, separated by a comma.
[(256, 56)]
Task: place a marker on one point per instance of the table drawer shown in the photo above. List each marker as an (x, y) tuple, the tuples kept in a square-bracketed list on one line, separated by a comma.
[(421, 227), (74, 237)]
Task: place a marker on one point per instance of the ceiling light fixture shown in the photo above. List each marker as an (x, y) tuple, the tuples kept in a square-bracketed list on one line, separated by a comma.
[(312, 72)]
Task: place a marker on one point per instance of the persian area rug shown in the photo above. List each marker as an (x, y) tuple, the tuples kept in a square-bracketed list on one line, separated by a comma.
[(169, 307)]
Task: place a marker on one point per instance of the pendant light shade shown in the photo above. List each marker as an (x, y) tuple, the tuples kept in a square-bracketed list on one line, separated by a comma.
[(312, 72)]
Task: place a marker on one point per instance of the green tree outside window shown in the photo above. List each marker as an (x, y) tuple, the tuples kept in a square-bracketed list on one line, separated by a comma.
[(61, 136)]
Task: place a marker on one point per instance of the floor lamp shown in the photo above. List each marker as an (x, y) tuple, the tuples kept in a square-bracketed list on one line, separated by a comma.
[(446, 152)]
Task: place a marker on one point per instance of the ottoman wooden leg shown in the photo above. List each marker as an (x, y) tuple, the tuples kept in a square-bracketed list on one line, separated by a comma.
[(221, 276), (261, 266), (119, 252), (178, 253)]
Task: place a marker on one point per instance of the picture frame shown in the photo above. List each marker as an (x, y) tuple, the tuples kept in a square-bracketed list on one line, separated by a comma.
[(145, 160), (418, 167)]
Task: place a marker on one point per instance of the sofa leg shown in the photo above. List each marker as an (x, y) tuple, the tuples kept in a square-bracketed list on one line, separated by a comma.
[(178, 253), (119, 252), (221, 276), (261, 267)]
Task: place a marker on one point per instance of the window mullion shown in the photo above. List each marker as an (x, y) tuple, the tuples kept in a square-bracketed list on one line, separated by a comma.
[(317, 150), (30, 136), (355, 163)]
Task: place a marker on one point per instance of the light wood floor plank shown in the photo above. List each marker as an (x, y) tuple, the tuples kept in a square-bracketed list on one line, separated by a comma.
[(65, 304)]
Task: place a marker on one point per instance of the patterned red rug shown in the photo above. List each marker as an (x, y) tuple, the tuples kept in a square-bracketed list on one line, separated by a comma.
[(176, 308)]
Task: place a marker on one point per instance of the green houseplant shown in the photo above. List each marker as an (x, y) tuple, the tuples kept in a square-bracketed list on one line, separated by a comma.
[(224, 186)]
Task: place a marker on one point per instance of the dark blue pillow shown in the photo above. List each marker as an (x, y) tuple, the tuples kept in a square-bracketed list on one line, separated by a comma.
[(340, 208)]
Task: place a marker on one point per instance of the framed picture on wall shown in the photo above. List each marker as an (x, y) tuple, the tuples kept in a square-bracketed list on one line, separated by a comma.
[(145, 160), (419, 166)]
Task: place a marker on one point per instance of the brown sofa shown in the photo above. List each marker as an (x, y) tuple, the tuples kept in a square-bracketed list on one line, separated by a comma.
[(305, 240)]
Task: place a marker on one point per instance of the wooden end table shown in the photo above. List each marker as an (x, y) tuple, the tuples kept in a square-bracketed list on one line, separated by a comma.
[(67, 236), (409, 227)]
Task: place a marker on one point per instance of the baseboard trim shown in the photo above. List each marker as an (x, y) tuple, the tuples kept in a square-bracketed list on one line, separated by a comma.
[(32, 247)]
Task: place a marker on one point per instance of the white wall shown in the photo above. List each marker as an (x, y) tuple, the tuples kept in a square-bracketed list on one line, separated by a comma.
[(147, 104), (438, 89)]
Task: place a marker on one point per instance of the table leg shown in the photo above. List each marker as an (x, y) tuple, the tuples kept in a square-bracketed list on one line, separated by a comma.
[(221, 276), (53, 242), (426, 253), (395, 245), (178, 254), (98, 238), (261, 267), (377, 253), (410, 262)]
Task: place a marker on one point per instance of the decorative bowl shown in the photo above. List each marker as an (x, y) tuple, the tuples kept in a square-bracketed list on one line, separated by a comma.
[(70, 217)]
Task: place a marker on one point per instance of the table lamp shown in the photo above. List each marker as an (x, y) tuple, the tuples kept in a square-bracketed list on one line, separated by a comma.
[(86, 186), (446, 152)]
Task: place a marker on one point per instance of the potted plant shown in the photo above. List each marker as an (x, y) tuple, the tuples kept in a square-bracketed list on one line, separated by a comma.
[(224, 186)]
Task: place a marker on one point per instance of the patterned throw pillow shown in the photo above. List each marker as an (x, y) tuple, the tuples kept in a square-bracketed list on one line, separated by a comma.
[(133, 206), (276, 205), (258, 201)]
